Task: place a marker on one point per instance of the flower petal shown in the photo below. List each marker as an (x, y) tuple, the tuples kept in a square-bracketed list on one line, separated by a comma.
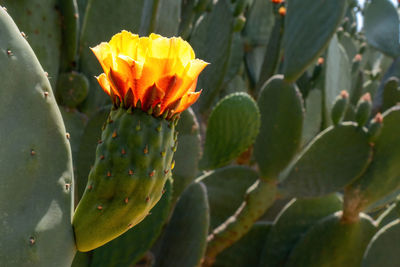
[(188, 100)]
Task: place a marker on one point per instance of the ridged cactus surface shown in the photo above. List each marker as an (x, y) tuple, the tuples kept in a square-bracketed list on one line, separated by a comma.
[(133, 162)]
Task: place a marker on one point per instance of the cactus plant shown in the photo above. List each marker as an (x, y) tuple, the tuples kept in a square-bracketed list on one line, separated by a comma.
[(290, 151)]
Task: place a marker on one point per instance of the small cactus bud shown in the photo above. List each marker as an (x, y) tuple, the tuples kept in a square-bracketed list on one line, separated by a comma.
[(276, 1), (239, 23), (363, 110), (282, 11), (339, 107), (375, 127), (357, 58), (320, 61)]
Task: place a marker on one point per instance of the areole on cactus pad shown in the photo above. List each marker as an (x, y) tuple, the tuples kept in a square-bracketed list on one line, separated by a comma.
[(150, 81)]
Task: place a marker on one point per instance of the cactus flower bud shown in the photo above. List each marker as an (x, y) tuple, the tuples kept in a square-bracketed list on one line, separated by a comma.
[(339, 107), (363, 109), (282, 11), (375, 127), (150, 81)]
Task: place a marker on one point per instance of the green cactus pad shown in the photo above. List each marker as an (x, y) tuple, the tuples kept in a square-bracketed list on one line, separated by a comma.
[(82, 259), (223, 203), (295, 219), (332, 243), (211, 39), (185, 237), (127, 249), (272, 54), (337, 76), (233, 126), (281, 108), (257, 32), (312, 115), (383, 175), (36, 181), (335, 158), (87, 149), (388, 215), (384, 249), (166, 17), (72, 89), (381, 27), (309, 25), (391, 93), (187, 154), (40, 22), (246, 252), (70, 33), (133, 162), (74, 124)]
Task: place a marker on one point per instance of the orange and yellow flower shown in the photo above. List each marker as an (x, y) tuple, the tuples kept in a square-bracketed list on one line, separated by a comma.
[(159, 72)]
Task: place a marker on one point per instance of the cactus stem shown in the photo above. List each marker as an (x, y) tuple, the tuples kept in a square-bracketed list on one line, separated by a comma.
[(146, 149), (259, 197)]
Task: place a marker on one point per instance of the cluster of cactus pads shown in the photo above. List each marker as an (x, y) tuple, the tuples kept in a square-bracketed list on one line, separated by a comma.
[(290, 157)]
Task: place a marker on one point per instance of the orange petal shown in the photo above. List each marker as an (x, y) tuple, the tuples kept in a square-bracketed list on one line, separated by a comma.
[(152, 97), (104, 83), (188, 100), (193, 70)]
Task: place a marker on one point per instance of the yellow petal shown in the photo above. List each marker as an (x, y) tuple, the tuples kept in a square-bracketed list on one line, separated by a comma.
[(124, 43), (104, 56)]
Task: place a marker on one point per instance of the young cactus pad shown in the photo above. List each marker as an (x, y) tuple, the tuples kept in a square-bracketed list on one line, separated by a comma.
[(150, 81)]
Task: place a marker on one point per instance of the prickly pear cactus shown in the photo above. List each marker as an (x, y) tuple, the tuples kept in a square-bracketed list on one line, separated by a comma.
[(134, 155), (36, 182), (297, 105), (133, 161)]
